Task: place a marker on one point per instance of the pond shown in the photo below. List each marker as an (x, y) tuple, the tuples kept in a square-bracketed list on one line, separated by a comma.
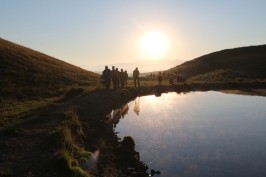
[(198, 133)]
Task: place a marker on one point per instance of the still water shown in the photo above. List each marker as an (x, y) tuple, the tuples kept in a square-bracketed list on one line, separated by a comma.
[(198, 133)]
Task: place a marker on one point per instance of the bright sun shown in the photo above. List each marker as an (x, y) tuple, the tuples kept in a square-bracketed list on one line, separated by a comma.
[(154, 43)]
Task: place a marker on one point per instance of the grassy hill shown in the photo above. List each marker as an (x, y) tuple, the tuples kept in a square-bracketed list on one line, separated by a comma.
[(30, 80), (27, 73), (245, 64)]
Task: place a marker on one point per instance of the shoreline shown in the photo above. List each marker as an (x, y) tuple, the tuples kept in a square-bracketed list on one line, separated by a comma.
[(234, 88)]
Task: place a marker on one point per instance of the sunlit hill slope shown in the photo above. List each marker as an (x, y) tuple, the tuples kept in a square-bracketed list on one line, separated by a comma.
[(27, 73), (245, 64)]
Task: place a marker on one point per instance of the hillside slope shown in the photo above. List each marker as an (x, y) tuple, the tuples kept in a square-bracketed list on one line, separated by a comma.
[(25, 72), (238, 64)]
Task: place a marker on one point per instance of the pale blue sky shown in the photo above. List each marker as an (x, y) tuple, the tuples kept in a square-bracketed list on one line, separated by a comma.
[(89, 33)]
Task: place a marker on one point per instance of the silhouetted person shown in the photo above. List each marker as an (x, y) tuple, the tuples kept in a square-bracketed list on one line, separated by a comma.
[(118, 78), (171, 80), (122, 78), (114, 76), (136, 76), (178, 78), (181, 78), (184, 77), (106, 76), (160, 78), (126, 76)]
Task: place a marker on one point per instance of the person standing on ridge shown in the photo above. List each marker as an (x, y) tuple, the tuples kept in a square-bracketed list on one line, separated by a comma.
[(118, 78), (126, 76), (107, 77), (136, 76), (114, 77), (171, 80), (122, 78)]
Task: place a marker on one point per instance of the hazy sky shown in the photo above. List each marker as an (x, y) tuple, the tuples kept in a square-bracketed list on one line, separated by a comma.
[(89, 33)]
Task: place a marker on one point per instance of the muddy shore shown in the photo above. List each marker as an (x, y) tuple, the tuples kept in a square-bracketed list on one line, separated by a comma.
[(27, 152)]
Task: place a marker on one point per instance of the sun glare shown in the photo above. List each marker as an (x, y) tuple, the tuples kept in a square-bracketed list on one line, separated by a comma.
[(154, 43)]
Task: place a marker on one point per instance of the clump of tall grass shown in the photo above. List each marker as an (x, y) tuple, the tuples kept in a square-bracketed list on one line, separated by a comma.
[(66, 165), (128, 142), (69, 158)]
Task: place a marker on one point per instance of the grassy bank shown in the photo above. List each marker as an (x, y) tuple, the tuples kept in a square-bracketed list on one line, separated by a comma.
[(69, 159), (84, 134)]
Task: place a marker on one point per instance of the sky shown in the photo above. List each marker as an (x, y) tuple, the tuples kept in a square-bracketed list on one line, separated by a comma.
[(87, 33)]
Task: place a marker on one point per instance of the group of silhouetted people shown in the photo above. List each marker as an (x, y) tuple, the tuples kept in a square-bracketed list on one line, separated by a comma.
[(179, 78), (118, 78)]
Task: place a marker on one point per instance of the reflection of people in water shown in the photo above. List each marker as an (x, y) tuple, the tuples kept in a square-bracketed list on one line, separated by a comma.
[(116, 116), (118, 113), (124, 110), (136, 105)]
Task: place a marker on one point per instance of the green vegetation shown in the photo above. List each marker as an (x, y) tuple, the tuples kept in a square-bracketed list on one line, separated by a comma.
[(245, 64), (69, 158)]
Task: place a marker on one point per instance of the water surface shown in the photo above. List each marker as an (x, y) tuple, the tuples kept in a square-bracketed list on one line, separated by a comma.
[(198, 133)]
